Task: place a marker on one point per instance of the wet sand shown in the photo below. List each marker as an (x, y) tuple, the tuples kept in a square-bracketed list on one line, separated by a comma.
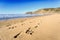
[(33, 28)]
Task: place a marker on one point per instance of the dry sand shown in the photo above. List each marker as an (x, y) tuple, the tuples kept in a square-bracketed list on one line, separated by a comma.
[(33, 28)]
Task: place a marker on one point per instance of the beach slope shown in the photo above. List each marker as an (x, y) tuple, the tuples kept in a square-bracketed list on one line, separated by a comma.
[(32, 28)]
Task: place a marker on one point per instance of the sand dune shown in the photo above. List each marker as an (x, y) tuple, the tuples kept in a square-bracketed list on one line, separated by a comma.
[(45, 11), (33, 28)]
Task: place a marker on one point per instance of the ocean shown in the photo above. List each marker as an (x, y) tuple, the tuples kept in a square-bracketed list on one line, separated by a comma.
[(12, 16)]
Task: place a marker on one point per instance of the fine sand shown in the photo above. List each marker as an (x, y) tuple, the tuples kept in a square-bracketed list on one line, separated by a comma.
[(33, 28)]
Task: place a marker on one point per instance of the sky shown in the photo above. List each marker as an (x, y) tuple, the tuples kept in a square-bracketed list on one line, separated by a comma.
[(23, 6)]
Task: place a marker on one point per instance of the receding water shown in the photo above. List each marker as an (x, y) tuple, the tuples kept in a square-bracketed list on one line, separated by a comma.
[(11, 16)]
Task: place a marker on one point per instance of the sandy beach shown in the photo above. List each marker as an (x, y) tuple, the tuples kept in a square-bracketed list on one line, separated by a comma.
[(33, 28)]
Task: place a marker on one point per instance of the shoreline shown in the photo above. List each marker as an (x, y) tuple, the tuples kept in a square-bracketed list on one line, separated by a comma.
[(25, 17)]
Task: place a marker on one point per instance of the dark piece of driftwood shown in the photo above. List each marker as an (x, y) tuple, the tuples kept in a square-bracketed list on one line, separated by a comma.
[(17, 35)]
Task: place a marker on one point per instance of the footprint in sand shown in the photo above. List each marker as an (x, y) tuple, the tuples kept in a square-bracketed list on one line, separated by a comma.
[(36, 26), (15, 26), (30, 22), (38, 23), (9, 28), (8, 25), (22, 24), (12, 27), (21, 21)]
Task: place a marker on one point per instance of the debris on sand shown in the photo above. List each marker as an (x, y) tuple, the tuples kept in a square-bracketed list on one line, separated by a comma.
[(17, 35), (29, 31)]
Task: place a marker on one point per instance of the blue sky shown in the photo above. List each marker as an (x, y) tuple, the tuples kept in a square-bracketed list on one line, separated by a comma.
[(22, 6)]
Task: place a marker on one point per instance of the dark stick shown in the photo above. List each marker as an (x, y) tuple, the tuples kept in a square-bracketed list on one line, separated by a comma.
[(17, 35)]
